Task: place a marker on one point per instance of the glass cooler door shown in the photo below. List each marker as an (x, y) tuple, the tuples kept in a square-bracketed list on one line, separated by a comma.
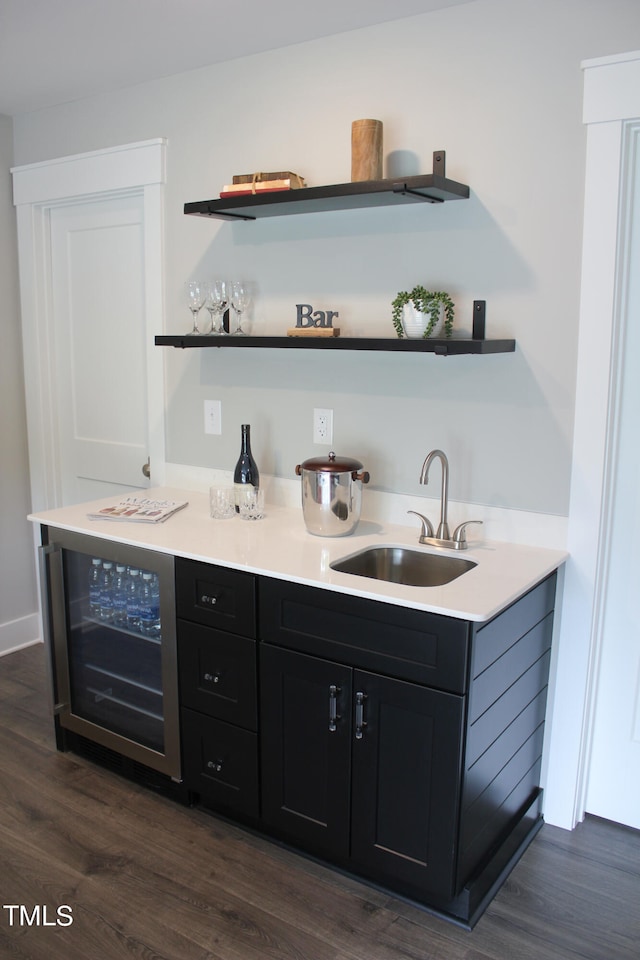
[(114, 643)]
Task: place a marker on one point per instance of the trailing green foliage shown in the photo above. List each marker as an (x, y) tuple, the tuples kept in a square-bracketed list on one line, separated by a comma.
[(426, 301)]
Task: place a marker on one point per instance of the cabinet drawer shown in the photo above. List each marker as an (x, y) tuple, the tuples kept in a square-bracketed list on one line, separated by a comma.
[(216, 597), (220, 762), (408, 644), (217, 674)]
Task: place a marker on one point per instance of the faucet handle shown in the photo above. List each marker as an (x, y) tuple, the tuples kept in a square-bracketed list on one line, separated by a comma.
[(459, 534), (427, 526)]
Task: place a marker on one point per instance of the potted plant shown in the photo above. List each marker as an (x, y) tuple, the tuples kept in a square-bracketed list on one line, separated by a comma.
[(418, 313)]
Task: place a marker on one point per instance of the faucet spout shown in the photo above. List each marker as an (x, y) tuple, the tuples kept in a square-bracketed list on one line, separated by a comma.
[(443, 528)]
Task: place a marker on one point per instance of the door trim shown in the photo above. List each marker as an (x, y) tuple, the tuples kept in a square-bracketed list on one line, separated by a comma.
[(611, 101), (136, 168)]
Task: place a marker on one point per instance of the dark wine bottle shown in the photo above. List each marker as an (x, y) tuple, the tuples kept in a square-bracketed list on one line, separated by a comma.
[(246, 471)]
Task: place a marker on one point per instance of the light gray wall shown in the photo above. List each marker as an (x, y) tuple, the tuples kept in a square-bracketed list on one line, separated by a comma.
[(17, 574), (498, 85)]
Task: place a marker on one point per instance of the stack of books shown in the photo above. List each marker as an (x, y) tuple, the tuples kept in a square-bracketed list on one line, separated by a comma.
[(246, 184)]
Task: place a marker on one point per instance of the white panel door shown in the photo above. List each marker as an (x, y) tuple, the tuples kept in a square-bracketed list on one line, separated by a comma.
[(99, 345), (614, 774)]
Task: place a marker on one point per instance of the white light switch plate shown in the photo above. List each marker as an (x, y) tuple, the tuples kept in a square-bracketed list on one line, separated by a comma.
[(213, 416)]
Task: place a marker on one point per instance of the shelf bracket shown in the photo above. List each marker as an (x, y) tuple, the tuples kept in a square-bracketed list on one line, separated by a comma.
[(405, 191), (439, 163), (439, 168), (225, 215), (479, 319)]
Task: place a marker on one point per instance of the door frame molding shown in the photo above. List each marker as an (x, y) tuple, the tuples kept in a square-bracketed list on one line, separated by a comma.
[(135, 168), (611, 104)]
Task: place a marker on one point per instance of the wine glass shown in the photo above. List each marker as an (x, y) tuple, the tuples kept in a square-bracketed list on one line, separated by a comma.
[(239, 301), (195, 293), (216, 302)]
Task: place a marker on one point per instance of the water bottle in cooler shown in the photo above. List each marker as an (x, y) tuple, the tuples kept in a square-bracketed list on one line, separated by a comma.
[(133, 599), (106, 592), (150, 605), (120, 596), (94, 588)]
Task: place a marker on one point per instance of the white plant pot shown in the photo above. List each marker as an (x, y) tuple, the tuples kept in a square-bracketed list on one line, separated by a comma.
[(414, 322)]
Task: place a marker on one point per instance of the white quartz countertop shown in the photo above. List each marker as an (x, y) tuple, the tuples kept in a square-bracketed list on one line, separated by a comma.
[(280, 546)]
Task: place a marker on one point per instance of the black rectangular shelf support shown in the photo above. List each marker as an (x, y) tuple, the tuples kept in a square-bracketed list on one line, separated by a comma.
[(479, 319), (442, 347)]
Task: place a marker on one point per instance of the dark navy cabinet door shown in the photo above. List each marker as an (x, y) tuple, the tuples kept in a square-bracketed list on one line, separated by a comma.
[(405, 782), (306, 744)]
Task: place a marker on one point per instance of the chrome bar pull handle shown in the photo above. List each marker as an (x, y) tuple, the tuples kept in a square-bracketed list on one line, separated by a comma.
[(360, 721), (333, 707), (53, 627)]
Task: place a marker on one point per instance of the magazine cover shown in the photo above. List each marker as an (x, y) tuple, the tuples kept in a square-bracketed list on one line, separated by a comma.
[(140, 509)]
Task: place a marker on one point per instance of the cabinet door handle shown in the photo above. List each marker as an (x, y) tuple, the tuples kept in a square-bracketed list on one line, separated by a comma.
[(360, 721), (212, 677), (215, 765), (333, 707)]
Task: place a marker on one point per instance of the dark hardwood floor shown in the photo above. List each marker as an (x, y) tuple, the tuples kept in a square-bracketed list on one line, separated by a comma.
[(147, 878)]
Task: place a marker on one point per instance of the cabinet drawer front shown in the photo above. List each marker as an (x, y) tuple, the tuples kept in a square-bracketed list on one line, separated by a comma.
[(220, 762), (218, 674), (216, 597), (407, 644)]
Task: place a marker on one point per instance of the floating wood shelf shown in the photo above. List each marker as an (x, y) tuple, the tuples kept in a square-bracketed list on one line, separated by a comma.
[(341, 196), (426, 188), (442, 347)]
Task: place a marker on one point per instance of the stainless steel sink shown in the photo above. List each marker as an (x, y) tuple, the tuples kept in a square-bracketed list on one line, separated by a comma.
[(399, 565)]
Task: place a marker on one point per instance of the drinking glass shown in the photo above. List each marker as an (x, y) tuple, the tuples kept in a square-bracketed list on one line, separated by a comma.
[(222, 503), (239, 301), (195, 299), (216, 302), (251, 503)]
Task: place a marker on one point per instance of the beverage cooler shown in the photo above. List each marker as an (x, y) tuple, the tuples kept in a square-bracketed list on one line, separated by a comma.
[(110, 618)]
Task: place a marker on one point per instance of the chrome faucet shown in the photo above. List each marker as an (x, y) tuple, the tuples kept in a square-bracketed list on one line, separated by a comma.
[(441, 537), (443, 527)]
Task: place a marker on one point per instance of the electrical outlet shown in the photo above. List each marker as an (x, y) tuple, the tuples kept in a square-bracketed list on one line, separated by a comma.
[(213, 416), (322, 426)]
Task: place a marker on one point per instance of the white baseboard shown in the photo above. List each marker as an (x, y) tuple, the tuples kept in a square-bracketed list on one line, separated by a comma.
[(18, 634)]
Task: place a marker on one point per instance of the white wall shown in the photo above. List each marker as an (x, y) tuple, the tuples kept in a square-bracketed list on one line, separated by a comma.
[(18, 622), (496, 84)]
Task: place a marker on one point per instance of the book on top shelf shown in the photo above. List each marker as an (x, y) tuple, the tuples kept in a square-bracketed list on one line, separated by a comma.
[(258, 186), (296, 180)]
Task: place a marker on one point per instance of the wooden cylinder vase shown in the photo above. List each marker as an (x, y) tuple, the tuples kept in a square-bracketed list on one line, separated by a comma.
[(366, 150)]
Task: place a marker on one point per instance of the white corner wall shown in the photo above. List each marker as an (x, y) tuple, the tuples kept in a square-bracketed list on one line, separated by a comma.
[(19, 624)]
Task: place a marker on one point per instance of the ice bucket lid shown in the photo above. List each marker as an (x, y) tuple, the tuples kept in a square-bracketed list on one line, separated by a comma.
[(330, 464)]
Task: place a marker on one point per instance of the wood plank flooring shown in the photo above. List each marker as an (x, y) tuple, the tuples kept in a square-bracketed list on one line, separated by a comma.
[(149, 879)]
